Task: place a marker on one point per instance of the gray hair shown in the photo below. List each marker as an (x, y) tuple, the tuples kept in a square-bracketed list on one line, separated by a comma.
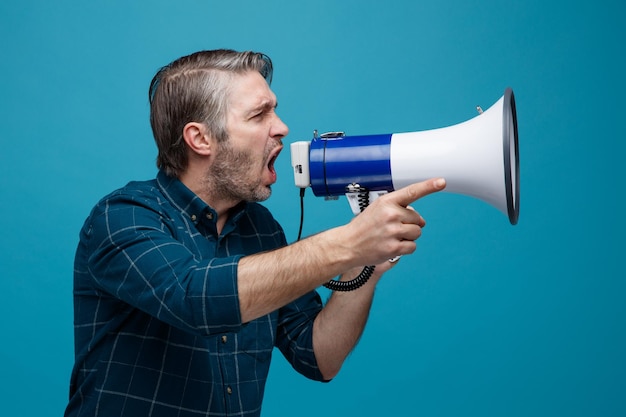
[(195, 88)]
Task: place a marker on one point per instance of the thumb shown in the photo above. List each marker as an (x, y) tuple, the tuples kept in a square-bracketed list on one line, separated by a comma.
[(413, 192)]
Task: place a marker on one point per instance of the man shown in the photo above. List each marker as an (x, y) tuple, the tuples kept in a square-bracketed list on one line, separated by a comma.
[(184, 284)]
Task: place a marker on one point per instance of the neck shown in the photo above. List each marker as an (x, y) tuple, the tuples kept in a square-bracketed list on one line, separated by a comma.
[(201, 186)]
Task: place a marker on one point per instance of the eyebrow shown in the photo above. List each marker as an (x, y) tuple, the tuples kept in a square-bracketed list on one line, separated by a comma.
[(264, 105)]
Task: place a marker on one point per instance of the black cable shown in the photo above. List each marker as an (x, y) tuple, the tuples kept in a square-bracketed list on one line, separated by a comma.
[(302, 190), (354, 283)]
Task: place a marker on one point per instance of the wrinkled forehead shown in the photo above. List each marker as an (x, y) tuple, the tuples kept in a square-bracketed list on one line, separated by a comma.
[(249, 91)]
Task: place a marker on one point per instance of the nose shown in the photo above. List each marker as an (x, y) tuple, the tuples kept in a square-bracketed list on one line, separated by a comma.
[(279, 129)]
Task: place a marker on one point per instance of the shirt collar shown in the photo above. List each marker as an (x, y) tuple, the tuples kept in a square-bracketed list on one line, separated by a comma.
[(189, 204)]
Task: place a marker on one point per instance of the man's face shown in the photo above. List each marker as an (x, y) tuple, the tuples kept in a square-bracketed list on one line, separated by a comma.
[(243, 169)]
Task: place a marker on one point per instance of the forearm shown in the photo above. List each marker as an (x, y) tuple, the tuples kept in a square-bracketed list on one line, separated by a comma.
[(340, 324), (270, 280)]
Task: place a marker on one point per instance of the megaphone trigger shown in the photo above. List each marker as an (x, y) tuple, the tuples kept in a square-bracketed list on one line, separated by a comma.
[(356, 200)]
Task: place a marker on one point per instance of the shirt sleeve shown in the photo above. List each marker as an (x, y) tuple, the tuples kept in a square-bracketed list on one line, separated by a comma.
[(295, 334), (130, 252)]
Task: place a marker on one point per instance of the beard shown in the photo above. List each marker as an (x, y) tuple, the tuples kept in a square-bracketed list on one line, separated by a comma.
[(231, 177)]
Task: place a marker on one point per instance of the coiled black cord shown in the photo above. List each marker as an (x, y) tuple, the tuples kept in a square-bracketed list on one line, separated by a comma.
[(354, 283)]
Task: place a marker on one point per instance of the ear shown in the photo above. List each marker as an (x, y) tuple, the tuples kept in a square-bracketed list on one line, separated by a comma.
[(197, 138)]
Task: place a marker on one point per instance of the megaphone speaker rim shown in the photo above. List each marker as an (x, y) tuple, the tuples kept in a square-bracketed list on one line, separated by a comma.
[(511, 155)]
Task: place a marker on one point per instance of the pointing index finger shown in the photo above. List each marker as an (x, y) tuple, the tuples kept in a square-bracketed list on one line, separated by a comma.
[(413, 192)]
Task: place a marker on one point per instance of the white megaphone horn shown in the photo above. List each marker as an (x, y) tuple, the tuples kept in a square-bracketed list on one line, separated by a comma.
[(478, 158)]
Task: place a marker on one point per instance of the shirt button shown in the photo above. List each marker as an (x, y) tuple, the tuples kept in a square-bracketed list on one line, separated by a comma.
[(224, 339), (229, 390), (209, 216), (193, 217)]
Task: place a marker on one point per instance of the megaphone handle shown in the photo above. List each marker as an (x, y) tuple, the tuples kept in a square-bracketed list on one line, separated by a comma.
[(360, 197)]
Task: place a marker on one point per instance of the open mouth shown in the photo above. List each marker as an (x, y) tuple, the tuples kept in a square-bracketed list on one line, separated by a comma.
[(272, 160)]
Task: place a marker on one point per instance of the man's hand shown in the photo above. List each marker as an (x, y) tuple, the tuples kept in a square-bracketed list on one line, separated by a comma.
[(389, 226)]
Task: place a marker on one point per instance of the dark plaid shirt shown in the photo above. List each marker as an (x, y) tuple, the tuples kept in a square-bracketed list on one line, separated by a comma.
[(158, 329)]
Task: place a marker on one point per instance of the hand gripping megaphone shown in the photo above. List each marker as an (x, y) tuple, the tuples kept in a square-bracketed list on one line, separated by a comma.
[(478, 158)]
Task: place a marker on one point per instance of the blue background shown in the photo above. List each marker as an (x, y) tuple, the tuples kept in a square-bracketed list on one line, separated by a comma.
[(485, 319)]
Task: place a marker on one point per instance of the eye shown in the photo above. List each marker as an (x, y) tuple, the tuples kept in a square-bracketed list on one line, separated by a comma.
[(257, 115), (262, 112)]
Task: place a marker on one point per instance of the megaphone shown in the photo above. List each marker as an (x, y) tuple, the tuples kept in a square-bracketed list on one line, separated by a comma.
[(478, 158)]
